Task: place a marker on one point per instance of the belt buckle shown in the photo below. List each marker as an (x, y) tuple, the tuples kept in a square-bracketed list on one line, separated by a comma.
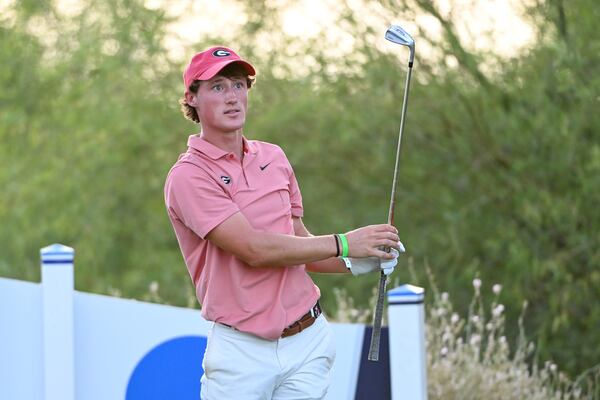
[(315, 311)]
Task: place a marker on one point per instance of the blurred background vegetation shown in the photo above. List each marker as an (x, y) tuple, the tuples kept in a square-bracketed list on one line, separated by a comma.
[(499, 175)]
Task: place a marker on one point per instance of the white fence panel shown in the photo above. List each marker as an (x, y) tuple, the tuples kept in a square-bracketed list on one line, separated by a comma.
[(112, 336), (95, 347), (21, 343)]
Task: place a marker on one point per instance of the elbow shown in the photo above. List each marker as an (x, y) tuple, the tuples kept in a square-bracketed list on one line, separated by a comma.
[(256, 256), (258, 262), (263, 261), (266, 262), (254, 261), (260, 252)]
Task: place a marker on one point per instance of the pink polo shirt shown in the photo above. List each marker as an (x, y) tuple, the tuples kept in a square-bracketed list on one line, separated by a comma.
[(206, 186)]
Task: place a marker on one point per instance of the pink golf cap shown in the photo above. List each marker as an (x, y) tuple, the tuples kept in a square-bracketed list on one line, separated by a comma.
[(208, 63)]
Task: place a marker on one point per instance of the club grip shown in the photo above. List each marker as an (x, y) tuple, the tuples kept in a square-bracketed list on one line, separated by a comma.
[(377, 319)]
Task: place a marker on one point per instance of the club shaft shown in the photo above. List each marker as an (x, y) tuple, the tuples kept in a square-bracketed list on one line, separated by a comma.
[(377, 318), (390, 219)]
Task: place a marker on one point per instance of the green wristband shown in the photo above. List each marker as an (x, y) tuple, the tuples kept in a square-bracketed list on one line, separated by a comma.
[(344, 245)]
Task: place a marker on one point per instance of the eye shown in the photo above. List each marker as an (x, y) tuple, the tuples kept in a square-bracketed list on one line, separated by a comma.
[(238, 85), (217, 88)]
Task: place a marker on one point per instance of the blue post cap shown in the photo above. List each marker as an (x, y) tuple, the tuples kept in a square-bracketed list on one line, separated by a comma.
[(57, 254), (406, 294)]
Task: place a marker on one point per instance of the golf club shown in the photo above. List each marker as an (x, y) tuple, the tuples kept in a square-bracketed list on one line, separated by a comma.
[(394, 34)]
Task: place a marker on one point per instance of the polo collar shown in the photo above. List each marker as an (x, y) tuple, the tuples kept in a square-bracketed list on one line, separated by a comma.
[(249, 147), (214, 152)]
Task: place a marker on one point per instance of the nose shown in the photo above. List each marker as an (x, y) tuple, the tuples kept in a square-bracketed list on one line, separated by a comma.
[(231, 96)]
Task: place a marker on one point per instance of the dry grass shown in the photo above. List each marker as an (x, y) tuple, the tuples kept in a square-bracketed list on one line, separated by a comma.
[(469, 357)]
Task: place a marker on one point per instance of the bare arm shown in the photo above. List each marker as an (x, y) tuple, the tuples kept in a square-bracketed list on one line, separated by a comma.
[(266, 249), (328, 265)]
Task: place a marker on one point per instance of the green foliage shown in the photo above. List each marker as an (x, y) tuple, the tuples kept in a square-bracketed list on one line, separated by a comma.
[(86, 131), (498, 177)]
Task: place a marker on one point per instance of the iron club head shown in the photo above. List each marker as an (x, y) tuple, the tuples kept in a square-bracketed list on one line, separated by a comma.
[(396, 34)]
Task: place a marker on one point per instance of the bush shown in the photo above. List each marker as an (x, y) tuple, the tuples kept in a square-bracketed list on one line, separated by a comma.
[(469, 357)]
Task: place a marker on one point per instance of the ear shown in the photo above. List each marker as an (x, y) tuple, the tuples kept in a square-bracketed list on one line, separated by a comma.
[(191, 99)]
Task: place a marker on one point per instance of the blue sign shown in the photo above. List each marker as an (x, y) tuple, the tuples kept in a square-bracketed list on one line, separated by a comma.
[(171, 370)]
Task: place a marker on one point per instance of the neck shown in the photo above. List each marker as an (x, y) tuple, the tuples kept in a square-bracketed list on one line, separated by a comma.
[(230, 142)]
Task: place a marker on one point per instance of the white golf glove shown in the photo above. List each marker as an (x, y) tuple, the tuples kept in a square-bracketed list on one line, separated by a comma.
[(359, 266)]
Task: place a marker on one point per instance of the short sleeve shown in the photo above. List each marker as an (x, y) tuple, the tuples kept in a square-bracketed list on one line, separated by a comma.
[(197, 200), (295, 195)]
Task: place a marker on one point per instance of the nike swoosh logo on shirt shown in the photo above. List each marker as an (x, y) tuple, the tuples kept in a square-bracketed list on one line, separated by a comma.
[(262, 167)]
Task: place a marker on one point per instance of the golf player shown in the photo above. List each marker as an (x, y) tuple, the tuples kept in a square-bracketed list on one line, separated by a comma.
[(236, 209)]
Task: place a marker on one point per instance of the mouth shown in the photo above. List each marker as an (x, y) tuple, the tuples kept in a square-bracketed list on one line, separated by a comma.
[(232, 111)]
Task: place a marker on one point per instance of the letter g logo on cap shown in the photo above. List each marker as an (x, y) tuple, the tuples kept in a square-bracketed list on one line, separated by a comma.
[(221, 53)]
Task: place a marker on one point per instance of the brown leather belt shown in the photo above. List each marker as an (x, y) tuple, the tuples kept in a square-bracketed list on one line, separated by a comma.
[(304, 322)]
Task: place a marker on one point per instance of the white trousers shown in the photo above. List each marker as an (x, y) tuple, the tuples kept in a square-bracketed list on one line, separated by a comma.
[(241, 366)]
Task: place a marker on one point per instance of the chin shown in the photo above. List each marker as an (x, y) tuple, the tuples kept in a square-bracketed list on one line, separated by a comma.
[(235, 127)]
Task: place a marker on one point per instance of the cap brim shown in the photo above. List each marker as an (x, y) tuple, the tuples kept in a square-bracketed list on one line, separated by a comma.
[(214, 70)]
